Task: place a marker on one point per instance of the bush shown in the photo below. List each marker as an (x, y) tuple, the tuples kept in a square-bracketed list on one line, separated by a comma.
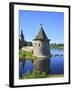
[(35, 74), (23, 54)]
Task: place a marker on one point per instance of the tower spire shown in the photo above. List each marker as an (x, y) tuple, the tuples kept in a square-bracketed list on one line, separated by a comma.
[(22, 36), (41, 25)]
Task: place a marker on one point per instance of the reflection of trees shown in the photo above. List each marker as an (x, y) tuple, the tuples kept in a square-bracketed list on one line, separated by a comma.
[(41, 70)]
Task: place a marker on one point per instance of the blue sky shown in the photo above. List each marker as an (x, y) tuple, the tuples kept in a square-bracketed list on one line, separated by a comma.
[(52, 22)]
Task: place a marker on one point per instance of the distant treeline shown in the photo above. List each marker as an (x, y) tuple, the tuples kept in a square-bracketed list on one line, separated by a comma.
[(58, 46), (29, 43), (52, 45)]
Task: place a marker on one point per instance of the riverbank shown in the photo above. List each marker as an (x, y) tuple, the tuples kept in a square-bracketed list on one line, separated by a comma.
[(43, 75), (24, 54), (37, 74), (57, 46), (56, 65), (55, 75), (27, 53)]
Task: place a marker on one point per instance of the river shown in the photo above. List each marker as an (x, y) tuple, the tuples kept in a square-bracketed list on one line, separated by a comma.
[(56, 63)]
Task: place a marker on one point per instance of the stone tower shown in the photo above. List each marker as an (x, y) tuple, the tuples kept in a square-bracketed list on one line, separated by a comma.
[(41, 46)]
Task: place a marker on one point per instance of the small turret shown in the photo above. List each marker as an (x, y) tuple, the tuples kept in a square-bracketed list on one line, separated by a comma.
[(41, 44)]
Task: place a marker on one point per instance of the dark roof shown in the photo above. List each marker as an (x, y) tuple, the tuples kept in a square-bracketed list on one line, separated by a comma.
[(41, 35)]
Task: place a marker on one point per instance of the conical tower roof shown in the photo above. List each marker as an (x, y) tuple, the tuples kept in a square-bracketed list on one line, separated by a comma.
[(41, 35)]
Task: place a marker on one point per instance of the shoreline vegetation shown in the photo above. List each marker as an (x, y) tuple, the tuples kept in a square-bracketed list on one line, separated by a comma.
[(36, 74), (27, 52), (57, 46), (24, 55)]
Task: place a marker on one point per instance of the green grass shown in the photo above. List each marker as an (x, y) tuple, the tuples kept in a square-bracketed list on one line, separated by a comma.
[(23, 54), (36, 74), (55, 75)]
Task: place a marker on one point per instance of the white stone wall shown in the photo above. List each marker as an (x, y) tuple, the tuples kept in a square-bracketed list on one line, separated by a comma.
[(41, 48)]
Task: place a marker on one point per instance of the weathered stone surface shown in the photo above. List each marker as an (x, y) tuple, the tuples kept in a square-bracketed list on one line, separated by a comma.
[(41, 48)]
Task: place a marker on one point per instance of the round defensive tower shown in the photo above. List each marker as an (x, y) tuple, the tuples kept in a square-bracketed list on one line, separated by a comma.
[(41, 46)]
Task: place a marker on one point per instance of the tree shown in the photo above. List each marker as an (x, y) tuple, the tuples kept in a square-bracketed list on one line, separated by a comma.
[(22, 42), (29, 43)]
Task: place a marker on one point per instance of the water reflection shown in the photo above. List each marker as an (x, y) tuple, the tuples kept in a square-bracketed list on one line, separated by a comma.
[(43, 65), (25, 66), (54, 65)]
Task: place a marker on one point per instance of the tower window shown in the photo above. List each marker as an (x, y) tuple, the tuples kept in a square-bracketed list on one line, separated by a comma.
[(39, 44)]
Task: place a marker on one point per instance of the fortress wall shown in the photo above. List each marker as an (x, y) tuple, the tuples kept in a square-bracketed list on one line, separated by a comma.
[(41, 48)]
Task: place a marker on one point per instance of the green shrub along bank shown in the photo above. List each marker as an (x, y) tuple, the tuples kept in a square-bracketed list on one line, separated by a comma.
[(36, 74), (23, 54)]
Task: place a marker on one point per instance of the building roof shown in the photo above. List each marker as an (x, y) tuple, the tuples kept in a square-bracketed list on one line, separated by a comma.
[(41, 35)]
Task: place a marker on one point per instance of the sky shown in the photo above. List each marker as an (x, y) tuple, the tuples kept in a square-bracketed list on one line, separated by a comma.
[(52, 23)]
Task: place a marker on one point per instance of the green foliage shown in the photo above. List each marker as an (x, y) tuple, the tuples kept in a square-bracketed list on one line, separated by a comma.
[(29, 43), (57, 46), (23, 54), (27, 76), (43, 75), (35, 74)]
